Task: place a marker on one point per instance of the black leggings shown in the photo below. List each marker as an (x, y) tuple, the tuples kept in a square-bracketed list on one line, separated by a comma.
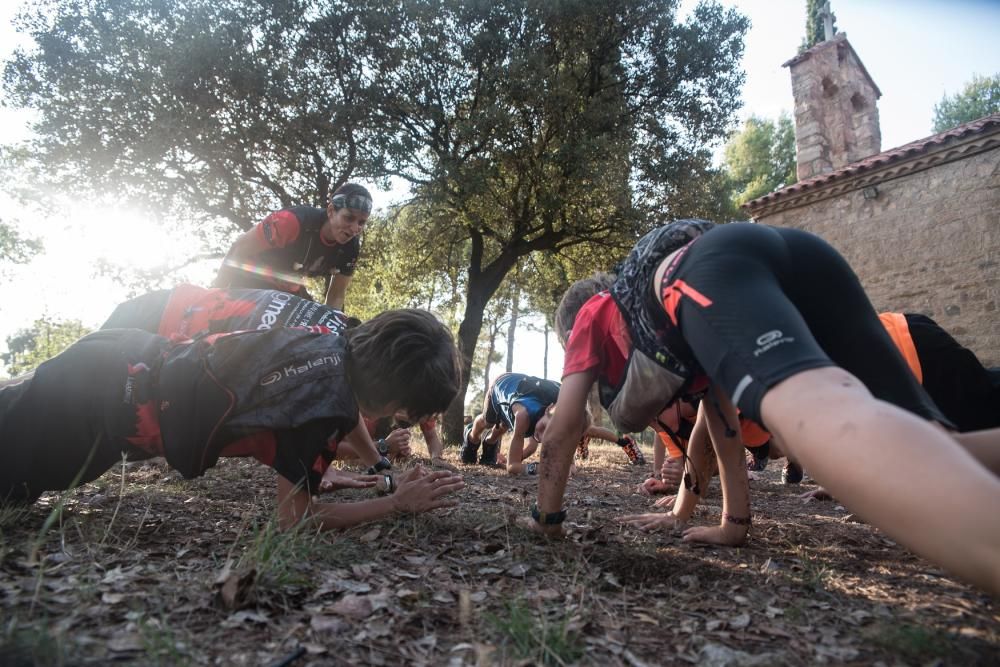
[(70, 421), (784, 301)]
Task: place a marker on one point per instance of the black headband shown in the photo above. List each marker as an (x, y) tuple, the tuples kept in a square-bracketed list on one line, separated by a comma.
[(358, 202)]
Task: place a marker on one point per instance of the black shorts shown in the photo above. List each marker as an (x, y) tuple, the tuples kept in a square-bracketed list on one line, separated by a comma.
[(954, 377), (501, 395), (784, 301)]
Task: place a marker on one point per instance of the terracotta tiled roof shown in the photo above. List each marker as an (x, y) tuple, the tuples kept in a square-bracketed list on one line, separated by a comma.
[(902, 153)]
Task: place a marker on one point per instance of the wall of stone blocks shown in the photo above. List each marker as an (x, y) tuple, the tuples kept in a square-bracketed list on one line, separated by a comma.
[(928, 243)]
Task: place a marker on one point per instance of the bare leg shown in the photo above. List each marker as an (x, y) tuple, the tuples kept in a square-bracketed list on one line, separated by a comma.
[(984, 447), (529, 449), (938, 499)]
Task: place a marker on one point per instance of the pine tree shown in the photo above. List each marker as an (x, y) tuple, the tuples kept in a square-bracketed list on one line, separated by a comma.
[(814, 24)]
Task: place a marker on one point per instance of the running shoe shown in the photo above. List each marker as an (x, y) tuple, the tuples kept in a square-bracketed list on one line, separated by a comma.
[(632, 451), (469, 449), (756, 459), (791, 473), (489, 455)]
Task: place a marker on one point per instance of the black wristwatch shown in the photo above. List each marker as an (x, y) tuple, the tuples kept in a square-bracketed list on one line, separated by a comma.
[(547, 518), (382, 446), (383, 464)]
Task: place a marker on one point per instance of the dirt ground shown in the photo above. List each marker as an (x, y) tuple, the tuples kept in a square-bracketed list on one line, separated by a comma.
[(152, 569)]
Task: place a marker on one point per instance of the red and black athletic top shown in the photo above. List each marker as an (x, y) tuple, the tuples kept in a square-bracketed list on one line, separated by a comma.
[(280, 396), (289, 241), (193, 310)]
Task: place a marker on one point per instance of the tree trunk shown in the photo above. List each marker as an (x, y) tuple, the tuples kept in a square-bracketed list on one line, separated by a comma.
[(482, 285), (545, 354), (494, 331), (468, 335), (511, 329)]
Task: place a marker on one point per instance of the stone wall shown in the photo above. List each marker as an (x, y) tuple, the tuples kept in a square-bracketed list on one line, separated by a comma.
[(927, 242)]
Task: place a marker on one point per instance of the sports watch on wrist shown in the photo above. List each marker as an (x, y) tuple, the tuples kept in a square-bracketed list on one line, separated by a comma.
[(382, 446), (383, 464), (547, 518)]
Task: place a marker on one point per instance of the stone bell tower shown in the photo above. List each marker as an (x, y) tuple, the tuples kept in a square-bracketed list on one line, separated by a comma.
[(836, 117)]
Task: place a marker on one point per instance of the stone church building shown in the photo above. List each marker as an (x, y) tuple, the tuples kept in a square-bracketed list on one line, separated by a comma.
[(919, 223)]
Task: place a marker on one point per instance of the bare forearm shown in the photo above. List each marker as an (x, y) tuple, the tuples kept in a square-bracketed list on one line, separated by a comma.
[(334, 516), (435, 448), (723, 426), (698, 458), (515, 455), (358, 444), (602, 433), (561, 437), (555, 460), (337, 293), (659, 455)]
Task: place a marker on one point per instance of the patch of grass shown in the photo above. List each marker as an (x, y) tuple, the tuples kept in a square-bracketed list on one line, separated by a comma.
[(815, 572), (283, 558), (10, 517), (12, 514), (31, 646), (162, 647), (535, 637), (912, 642), (795, 614)]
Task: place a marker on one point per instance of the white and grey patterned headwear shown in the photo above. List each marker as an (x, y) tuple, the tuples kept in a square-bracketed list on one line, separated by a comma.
[(632, 289), (355, 201)]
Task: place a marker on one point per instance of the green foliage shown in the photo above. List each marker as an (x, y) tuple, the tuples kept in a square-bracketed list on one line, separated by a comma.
[(980, 97), (44, 339), (543, 126), (815, 32), (760, 158), (227, 107), (535, 637), (410, 259), (522, 126), (14, 247)]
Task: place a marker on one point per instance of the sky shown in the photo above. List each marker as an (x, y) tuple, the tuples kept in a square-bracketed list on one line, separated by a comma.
[(916, 51)]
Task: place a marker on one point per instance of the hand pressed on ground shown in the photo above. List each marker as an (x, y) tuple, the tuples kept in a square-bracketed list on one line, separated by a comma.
[(666, 521), (727, 535), (420, 489), (439, 463), (335, 479), (399, 444), (819, 493)]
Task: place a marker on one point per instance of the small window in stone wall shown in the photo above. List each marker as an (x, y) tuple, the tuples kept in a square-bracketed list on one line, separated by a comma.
[(829, 87), (858, 102)]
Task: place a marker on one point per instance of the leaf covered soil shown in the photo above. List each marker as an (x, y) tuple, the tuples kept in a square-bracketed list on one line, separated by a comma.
[(152, 569)]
